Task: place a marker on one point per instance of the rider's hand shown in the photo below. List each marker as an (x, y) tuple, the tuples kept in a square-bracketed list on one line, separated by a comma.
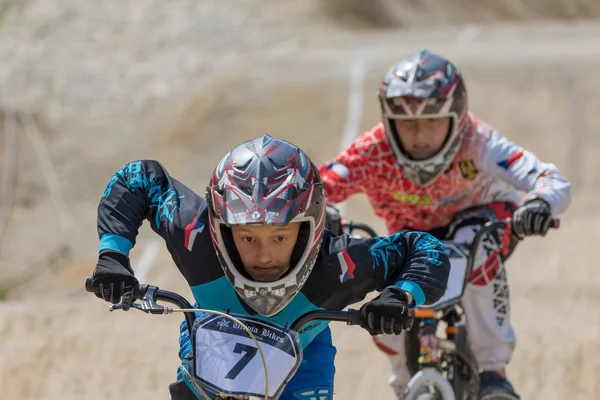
[(113, 279), (333, 221), (387, 313), (532, 218)]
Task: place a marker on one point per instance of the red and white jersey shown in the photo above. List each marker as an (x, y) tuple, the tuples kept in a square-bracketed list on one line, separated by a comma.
[(487, 168)]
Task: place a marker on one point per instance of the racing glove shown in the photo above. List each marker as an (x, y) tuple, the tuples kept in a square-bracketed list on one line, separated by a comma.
[(113, 279), (532, 218), (387, 313)]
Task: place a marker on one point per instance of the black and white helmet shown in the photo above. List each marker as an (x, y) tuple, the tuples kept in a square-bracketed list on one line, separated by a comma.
[(266, 181)]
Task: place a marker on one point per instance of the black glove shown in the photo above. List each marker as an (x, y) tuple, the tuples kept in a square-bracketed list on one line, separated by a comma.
[(532, 218), (387, 313), (113, 279), (333, 221)]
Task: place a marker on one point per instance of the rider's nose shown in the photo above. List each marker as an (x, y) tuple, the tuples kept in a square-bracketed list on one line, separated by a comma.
[(264, 255)]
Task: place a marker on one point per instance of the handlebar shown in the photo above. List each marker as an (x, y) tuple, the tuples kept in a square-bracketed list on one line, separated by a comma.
[(350, 226), (491, 226), (350, 317), (150, 294)]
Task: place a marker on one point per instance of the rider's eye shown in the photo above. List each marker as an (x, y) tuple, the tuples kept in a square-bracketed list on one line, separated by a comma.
[(248, 239), (280, 239)]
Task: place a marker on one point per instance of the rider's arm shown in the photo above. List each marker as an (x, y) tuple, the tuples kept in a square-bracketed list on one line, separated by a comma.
[(141, 190), (524, 171), (414, 261), (346, 174)]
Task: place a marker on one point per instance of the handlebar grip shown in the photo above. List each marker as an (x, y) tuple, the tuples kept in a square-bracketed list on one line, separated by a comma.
[(139, 291), (354, 317), (88, 284)]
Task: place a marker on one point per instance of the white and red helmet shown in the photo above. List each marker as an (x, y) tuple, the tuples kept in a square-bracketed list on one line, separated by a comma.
[(424, 85), (266, 181)]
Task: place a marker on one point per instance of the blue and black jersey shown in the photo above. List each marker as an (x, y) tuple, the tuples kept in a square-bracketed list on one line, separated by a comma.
[(346, 270)]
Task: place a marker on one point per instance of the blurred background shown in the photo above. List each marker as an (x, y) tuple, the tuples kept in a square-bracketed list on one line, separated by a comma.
[(86, 86)]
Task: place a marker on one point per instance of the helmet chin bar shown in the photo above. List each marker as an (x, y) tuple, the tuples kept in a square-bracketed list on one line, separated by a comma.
[(267, 298)]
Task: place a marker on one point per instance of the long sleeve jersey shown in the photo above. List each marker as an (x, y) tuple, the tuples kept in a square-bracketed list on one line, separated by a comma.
[(346, 270), (487, 168)]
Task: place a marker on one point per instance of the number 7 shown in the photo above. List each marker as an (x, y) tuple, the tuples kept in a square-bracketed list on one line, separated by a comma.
[(239, 366)]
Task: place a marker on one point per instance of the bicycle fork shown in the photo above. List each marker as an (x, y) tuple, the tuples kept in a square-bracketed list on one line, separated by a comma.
[(429, 375)]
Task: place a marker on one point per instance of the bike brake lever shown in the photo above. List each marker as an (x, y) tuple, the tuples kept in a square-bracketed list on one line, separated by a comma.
[(148, 304), (133, 305)]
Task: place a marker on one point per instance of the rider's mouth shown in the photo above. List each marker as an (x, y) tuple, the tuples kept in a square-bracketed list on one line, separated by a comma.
[(421, 149), (420, 153), (266, 274)]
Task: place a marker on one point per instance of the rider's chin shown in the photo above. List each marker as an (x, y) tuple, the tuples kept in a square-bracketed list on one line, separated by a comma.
[(421, 154), (266, 274)]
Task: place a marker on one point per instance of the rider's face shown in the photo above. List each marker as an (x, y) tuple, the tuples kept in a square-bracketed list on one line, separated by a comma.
[(265, 249), (422, 138)]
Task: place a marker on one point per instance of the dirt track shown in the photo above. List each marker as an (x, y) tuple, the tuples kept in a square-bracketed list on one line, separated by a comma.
[(56, 342)]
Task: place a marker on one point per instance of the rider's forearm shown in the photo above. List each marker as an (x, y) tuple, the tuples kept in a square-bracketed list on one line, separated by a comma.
[(337, 187), (125, 204), (524, 171), (425, 268), (552, 187), (345, 175)]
